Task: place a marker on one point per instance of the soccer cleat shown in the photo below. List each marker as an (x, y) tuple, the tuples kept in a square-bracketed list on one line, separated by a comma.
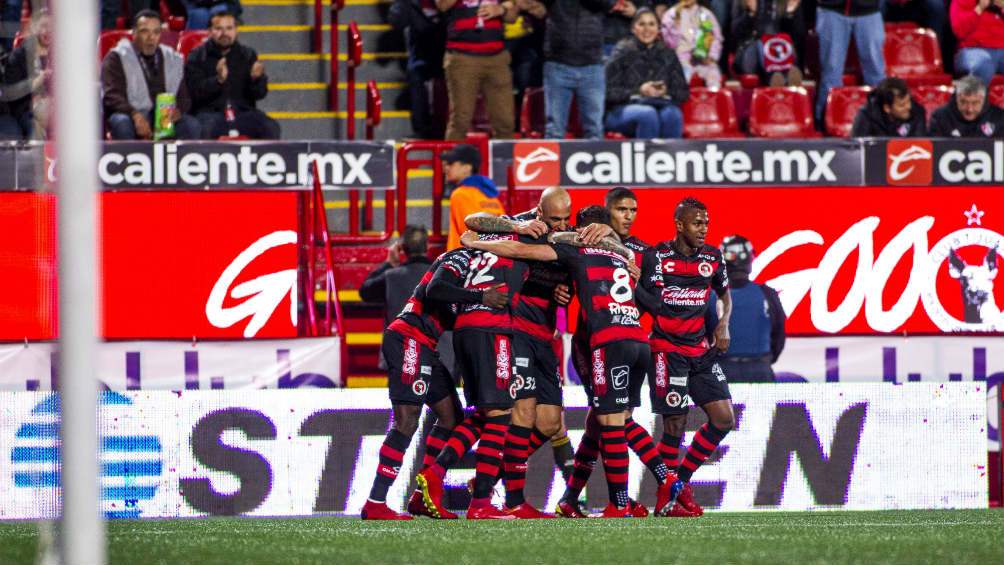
[(637, 509), (667, 494), (567, 509), (380, 511), (526, 511), (612, 511), (432, 495), (416, 506), (487, 512), (686, 499), (678, 511)]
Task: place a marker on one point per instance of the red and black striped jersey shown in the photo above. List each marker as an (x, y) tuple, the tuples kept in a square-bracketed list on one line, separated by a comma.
[(683, 285), (424, 318), (485, 270), (638, 246), (605, 291), (536, 311), (469, 33)]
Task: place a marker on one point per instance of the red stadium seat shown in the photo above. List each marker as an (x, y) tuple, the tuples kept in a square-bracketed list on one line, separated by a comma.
[(914, 56), (842, 104), (174, 23), (890, 26), (710, 112), (110, 38), (781, 111), (931, 96), (997, 94), (190, 39)]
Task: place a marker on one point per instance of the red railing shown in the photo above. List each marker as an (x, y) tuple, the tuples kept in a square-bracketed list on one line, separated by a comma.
[(336, 6), (374, 104), (354, 45)]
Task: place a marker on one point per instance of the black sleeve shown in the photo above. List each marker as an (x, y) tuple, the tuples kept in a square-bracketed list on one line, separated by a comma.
[(939, 126), (619, 88), (447, 284), (257, 87), (374, 288), (676, 87), (775, 311), (862, 125), (567, 254), (651, 271), (200, 79), (720, 278), (918, 120), (647, 300)]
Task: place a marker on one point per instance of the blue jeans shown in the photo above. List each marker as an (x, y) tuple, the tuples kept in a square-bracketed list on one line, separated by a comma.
[(587, 84), (834, 31), (198, 18), (120, 126), (645, 122), (980, 61)]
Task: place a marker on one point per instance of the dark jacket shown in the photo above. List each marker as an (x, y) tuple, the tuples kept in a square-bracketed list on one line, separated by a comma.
[(947, 121), (574, 34), (872, 121), (22, 67), (851, 7), (208, 94), (632, 64), (393, 286)]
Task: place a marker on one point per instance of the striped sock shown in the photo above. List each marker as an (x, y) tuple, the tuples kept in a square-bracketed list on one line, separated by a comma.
[(703, 445), (615, 463), (391, 456), (585, 460), (537, 439), (641, 443), (461, 440), (564, 456), (434, 444), (514, 457), (669, 448), (488, 457)]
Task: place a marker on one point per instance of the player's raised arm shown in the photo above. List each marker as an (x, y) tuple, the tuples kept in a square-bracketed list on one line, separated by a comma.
[(447, 284), (608, 243), (509, 248), (489, 223)]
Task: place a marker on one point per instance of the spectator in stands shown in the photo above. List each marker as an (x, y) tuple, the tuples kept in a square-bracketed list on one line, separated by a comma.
[(10, 23), (573, 64), (28, 78), (9, 128), (476, 62), (475, 193), (968, 113), (226, 78), (890, 112), (197, 12), (524, 39), (693, 32), (133, 73), (779, 22), (836, 22), (110, 10), (618, 25), (980, 29), (645, 83), (425, 35), (930, 14), (757, 322)]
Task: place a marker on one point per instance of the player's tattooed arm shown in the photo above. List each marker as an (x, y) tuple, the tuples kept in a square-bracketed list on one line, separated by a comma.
[(607, 243), (509, 248), (484, 222)]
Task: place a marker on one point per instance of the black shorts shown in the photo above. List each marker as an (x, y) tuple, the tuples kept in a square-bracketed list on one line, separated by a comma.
[(537, 370), (583, 366), (615, 369), (683, 379), (485, 361), (414, 374)]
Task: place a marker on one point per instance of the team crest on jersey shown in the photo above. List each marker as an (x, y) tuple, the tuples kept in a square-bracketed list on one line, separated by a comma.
[(420, 387), (903, 130), (705, 269), (517, 384), (987, 128), (673, 399)]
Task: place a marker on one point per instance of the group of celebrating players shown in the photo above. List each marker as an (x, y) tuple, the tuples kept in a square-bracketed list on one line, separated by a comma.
[(500, 294)]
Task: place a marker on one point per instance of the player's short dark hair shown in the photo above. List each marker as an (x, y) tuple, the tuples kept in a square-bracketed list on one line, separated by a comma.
[(618, 193), (889, 89), (414, 240), (688, 203), (594, 214), (145, 14), (223, 14)]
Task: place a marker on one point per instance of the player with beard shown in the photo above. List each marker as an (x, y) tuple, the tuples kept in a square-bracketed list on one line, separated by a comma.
[(537, 411), (619, 348), (623, 207), (681, 273), (416, 377)]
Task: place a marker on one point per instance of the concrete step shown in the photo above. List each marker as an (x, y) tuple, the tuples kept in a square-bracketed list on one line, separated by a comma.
[(302, 12), (297, 96), (326, 125), (310, 67), (281, 38)]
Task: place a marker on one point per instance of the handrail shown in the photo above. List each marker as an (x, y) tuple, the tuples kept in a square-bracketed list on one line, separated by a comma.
[(319, 222), (404, 164), (354, 45), (318, 45), (374, 105), (336, 6)]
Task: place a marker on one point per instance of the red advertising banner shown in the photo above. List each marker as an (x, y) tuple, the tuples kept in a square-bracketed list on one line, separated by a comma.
[(29, 299), (857, 259), (177, 265)]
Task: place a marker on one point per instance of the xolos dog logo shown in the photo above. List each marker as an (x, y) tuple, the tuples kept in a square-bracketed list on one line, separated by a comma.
[(909, 162), (537, 163)]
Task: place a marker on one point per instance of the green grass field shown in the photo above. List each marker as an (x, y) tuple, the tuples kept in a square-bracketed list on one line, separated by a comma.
[(949, 536)]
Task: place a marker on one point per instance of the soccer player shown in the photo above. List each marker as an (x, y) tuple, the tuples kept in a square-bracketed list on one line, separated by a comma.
[(681, 273), (415, 376), (619, 346), (482, 341), (623, 207)]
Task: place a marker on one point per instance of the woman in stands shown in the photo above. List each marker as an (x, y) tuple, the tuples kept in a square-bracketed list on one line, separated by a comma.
[(645, 83)]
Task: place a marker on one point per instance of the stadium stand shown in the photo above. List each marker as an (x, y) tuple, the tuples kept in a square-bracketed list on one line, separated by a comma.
[(930, 96), (996, 95), (842, 105), (190, 39), (781, 112), (710, 112), (915, 56), (109, 38)]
